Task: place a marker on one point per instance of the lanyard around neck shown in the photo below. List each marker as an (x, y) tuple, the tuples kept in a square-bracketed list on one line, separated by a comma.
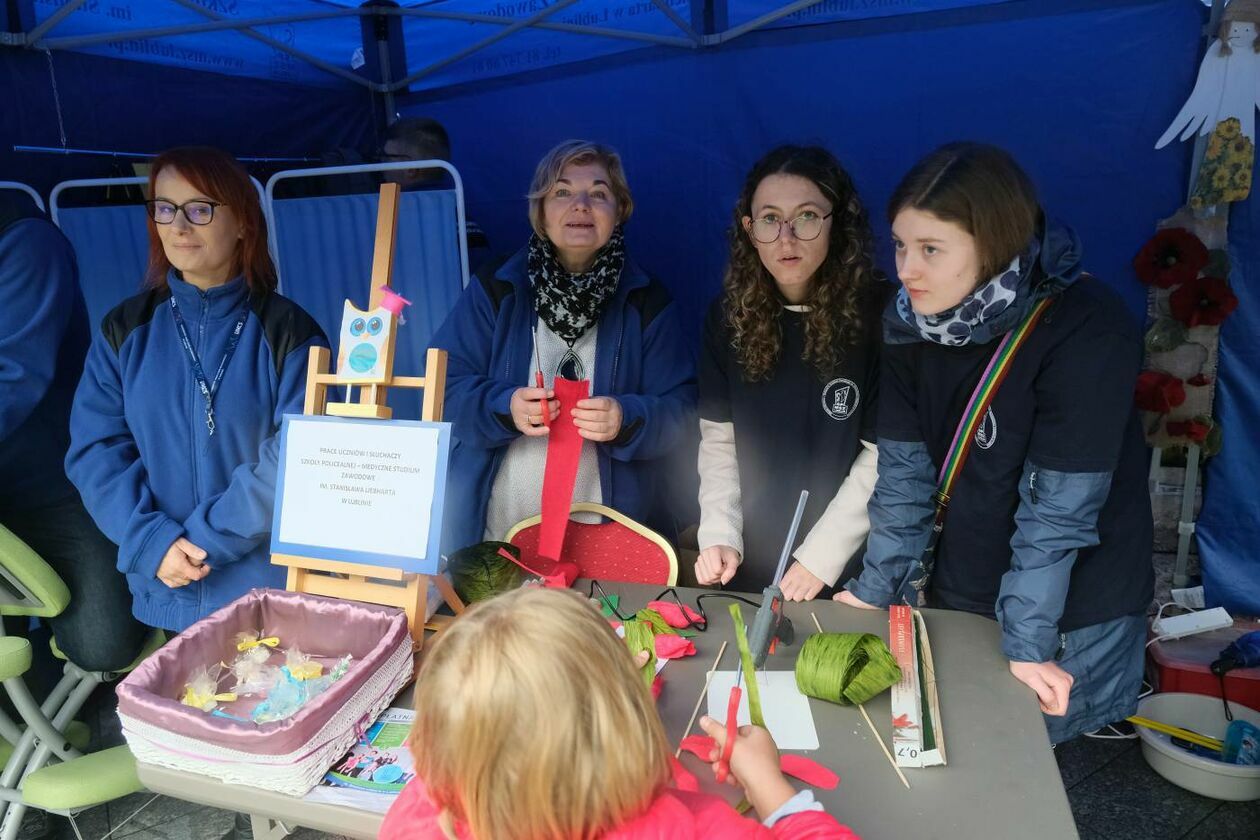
[(208, 389)]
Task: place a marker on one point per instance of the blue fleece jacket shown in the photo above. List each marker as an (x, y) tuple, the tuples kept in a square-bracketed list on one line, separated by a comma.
[(640, 359), (43, 336), (141, 453)]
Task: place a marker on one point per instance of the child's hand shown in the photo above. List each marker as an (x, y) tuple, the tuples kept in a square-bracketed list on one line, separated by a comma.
[(754, 765)]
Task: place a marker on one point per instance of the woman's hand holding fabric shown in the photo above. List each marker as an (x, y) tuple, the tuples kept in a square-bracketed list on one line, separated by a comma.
[(799, 583), (526, 409), (717, 564), (183, 563), (598, 418), (1052, 684)]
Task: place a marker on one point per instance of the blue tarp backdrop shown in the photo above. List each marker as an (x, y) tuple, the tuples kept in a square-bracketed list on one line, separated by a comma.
[(1078, 90)]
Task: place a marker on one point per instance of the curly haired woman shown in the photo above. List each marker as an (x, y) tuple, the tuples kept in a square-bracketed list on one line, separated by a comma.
[(788, 379)]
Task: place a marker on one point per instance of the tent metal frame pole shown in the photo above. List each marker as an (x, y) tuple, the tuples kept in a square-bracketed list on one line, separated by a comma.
[(285, 48), (577, 29), (678, 21), (1190, 485), (756, 23), (52, 20), (482, 44), (73, 41)]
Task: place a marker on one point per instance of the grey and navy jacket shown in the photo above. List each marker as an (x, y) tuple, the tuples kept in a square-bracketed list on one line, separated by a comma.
[(142, 455), (43, 338), (1049, 525), (641, 359)]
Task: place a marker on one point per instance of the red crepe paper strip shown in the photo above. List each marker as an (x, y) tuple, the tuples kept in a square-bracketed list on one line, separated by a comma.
[(683, 778), (560, 576), (702, 747), (675, 616), (799, 767), (808, 771), (564, 450), (673, 647)]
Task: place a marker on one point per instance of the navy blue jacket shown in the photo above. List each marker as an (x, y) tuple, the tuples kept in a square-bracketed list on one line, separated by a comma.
[(1049, 524), (640, 359), (43, 338), (141, 453)]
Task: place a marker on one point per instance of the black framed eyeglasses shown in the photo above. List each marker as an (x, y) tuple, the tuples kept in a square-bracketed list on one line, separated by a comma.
[(197, 212), (805, 227)]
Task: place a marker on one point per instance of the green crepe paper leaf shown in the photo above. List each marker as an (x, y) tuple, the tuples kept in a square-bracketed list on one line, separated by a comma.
[(750, 673), (639, 637), (1213, 442), (609, 604), (656, 622), (1164, 335), (1218, 263)]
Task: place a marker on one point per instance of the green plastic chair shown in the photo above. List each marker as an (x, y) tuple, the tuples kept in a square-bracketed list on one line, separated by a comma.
[(72, 781)]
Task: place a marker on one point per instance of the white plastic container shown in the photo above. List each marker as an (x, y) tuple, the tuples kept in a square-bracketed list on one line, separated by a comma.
[(1205, 715)]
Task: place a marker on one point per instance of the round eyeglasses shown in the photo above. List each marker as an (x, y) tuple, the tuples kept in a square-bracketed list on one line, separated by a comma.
[(196, 212), (804, 227)]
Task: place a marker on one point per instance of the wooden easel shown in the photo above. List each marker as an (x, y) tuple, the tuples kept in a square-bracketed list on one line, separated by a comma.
[(354, 581)]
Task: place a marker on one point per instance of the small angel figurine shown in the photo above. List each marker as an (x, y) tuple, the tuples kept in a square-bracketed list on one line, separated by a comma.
[(1223, 104)]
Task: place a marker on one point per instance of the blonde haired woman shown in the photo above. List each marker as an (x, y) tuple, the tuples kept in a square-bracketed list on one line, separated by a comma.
[(514, 745), (598, 316)]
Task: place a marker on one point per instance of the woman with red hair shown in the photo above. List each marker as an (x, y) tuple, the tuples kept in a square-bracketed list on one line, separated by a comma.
[(173, 430)]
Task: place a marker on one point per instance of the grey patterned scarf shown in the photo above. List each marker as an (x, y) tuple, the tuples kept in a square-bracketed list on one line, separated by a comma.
[(570, 303)]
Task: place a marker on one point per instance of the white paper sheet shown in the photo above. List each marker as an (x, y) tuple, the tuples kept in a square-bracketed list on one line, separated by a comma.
[(786, 710)]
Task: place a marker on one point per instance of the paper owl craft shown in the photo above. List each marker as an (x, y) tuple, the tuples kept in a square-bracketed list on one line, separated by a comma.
[(365, 345)]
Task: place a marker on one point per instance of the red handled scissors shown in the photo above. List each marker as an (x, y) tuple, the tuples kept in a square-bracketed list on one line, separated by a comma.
[(732, 729), (538, 379)]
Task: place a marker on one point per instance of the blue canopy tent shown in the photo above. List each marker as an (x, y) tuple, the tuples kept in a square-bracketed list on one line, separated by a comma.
[(691, 92)]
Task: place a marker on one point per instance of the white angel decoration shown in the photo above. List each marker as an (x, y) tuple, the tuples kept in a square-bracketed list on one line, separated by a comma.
[(1223, 104)]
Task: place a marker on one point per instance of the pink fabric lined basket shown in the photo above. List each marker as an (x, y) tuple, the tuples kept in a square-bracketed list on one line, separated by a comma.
[(288, 755)]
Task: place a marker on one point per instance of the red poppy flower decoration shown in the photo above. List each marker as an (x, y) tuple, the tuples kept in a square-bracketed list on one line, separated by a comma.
[(1172, 256), (1158, 391), (1203, 301), (1195, 430)]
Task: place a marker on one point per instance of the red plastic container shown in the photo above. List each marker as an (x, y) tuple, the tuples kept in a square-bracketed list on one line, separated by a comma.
[(1184, 665)]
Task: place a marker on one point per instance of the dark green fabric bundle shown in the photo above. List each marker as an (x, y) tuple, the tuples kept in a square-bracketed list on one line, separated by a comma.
[(479, 572)]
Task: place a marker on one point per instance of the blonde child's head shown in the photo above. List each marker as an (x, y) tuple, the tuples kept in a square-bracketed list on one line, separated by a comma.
[(532, 722)]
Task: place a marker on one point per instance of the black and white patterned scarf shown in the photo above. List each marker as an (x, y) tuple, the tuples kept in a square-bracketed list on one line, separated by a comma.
[(977, 317), (570, 303)]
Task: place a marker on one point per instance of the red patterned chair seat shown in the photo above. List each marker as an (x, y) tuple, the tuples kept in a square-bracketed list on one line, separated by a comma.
[(619, 549)]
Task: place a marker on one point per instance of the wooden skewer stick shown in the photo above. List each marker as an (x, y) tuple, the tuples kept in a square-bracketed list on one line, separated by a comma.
[(874, 731), (703, 693)]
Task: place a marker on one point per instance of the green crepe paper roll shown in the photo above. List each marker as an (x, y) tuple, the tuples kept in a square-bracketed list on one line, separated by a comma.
[(478, 572), (845, 668)]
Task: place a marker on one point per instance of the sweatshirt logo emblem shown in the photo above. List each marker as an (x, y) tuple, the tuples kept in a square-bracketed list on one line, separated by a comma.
[(840, 399), (986, 434)]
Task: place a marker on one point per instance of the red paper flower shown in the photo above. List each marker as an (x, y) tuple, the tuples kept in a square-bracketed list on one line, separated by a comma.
[(1171, 256), (1195, 430), (1202, 301), (1158, 391), (673, 647), (676, 616)]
